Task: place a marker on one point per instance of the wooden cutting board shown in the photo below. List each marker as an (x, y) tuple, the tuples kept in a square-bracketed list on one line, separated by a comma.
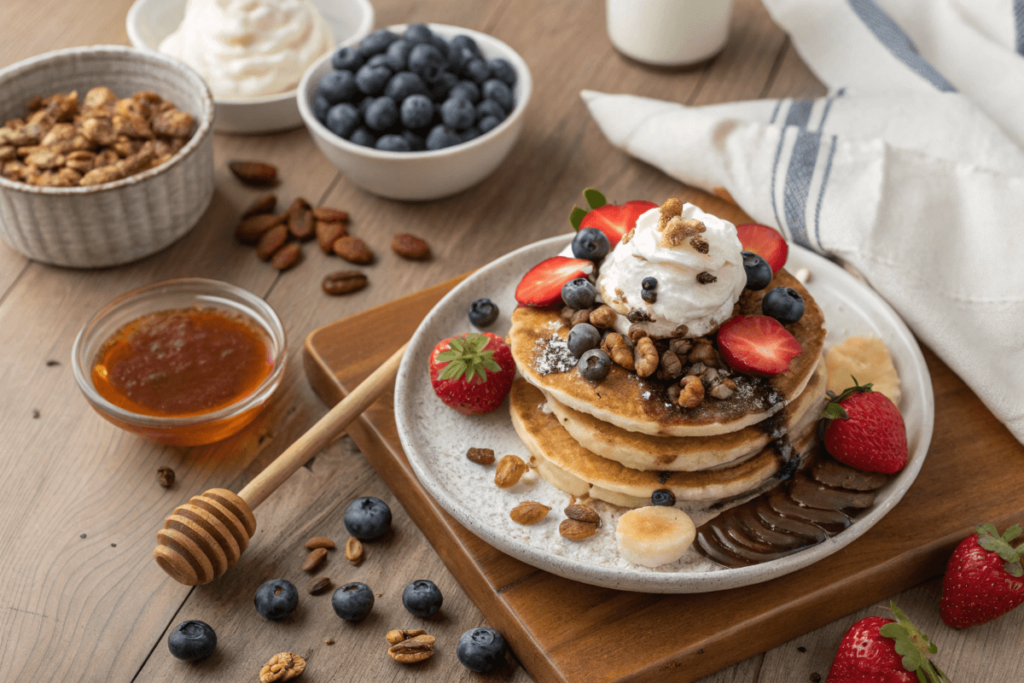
[(567, 631)]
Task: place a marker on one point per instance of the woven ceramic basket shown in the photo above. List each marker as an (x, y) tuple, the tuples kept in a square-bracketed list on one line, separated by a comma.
[(121, 221)]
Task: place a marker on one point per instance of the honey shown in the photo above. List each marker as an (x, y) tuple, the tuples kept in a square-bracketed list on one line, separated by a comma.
[(183, 362)]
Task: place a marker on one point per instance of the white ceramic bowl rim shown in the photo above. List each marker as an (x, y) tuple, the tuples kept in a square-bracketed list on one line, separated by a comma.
[(524, 83), (205, 119)]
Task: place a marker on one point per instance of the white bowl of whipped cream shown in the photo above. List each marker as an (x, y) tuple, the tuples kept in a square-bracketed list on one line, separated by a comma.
[(252, 53)]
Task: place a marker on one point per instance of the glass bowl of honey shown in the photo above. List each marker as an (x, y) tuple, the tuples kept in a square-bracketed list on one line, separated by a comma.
[(183, 362)]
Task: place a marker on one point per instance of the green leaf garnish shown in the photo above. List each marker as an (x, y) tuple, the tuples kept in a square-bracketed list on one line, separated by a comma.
[(914, 646), (595, 198), (989, 539), (576, 217), (466, 356)]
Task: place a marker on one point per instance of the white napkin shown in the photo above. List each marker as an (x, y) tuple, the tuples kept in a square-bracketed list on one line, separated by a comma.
[(912, 170)]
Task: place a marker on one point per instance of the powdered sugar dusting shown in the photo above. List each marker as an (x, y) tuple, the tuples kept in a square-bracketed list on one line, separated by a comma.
[(553, 355)]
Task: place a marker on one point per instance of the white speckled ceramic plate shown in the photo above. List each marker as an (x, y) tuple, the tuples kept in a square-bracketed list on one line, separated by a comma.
[(436, 438)]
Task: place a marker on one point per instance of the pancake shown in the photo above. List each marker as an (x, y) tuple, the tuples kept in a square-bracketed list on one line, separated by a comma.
[(681, 453), (641, 405), (573, 469)]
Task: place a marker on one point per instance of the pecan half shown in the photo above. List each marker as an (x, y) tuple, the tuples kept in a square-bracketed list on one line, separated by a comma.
[(411, 651), (396, 636), (284, 666), (692, 392), (619, 350), (646, 357), (603, 317)]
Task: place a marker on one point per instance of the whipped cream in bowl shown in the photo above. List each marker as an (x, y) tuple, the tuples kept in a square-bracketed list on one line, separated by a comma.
[(697, 262)]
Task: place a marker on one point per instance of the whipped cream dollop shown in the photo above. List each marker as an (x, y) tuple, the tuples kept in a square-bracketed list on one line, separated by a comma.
[(700, 273), (249, 48)]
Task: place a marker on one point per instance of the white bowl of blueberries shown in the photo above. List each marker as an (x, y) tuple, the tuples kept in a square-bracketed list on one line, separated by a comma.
[(416, 111)]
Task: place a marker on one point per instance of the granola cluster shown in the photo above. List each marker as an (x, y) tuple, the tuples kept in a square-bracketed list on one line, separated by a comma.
[(64, 143)]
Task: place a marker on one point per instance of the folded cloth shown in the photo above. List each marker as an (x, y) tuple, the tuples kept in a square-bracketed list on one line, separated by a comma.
[(912, 169)]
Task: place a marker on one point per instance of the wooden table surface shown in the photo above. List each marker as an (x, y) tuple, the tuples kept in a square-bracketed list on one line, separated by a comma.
[(81, 598)]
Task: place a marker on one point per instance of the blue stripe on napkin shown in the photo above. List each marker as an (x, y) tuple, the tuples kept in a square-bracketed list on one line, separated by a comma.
[(821, 192), (898, 43), (1018, 16)]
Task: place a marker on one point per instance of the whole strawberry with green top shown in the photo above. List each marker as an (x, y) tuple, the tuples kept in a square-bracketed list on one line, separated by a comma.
[(472, 373), (879, 650), (864, 429), (984, 578)]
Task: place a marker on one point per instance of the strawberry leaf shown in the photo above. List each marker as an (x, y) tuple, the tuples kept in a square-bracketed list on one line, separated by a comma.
[(467, 356), (834, 411), (446, 356), (595, 198), (1014, 569), (576, 217), (1012, 533)]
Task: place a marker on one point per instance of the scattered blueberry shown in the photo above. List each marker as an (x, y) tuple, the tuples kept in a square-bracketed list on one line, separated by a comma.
[(649, 295), (338, 86), (594, 365), (784, 304), (579, 293), (477, 70), (423, 598), (418, 33), (483, 312), (442, 85), (393, 143), (590, 244), (276, 599), (426, 61), (416, 142), (481, 650), (353, 601), (759, 273), (582, 338), (405, 84), (362, 136), (649, 283), (376, 42), (342, 119), (320, 107), (397, 55), (192, 641), (441, 137), (490, 108), (347, 58), (417, 111), (663, 497), (488, 123), (496, 90), (368, 518), (382, 114), (457, 113), (464, 41), (467, 90), (503, 70)]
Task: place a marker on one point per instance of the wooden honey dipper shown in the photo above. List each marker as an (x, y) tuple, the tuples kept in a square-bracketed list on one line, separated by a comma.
[(205, 537)]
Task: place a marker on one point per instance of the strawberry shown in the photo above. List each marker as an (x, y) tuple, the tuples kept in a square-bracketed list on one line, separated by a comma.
[(983, 578), (615, 220), (542, 284), (472, 373), (879, 650), (864, 429), (757, 345), (765, 242)]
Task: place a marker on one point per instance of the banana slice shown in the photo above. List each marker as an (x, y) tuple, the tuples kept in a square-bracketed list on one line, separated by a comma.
[(655, 535), (867, 359)]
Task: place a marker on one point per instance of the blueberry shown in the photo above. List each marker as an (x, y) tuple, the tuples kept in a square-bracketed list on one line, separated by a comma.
[(441, 137), (276, 599), (464, 41), (649, 295), (426, 61), (503, 70), (498, 91), (470, 133), (368, 518), (417, 33), (378, 60), (467, 90), (342, 119), (417, 111), (483, 312), (488, 123), (481, 650), (457, 113), (582, 338), (353, 601), (423, 598), (649, 283), (759, 273), (347, 58), (416, 142), (590, 244), (579, 293), (477, 70), (459, 57), (364, 104), (362, 136), (491, 108), (397, 55), (594, 365), (372, 79), (338, 87), (784, 304), (403, 84), (192, 641), (441, 44), (663, 497), (376, 42), (393, 143), (442, 85), (382, 114), (320, 106)]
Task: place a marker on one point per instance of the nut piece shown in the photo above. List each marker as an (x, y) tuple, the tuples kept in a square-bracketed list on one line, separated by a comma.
[(320, 542), (411, 651), (692, 392), (300, 220), (250, 229), (354, 551), (670, 367), (410, 247), (603, 317), (254, 172), (314, 560), (723, 389), (264, 204), (173, 124), (528, 512), (398, 635), (510, 470), (576, 530), (344, 282), (579, 317), (616, 346), (703, 352), (286, 257), (322, 213), (353, 250), (284, 666), (318, 586), (706, 278), (481, 456), (165, 475), (583, 513), (271, 241), (646, 357), (327, 233)]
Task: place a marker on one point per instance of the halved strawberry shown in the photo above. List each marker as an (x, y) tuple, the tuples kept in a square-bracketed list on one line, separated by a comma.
[(615, 220), (757, 345), (765, 242), (542, 284)]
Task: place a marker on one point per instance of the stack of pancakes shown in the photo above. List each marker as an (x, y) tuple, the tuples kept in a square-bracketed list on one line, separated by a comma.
[(622, 439)]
